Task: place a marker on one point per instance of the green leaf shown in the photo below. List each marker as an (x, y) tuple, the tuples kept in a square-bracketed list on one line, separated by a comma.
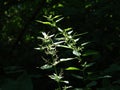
[(59, 29), (56, 77), (76, 53), (76, 39), (45, 35), (57, 16), (67, 29), (46, 23), (72, 68), (70, 32), (83, 44), (37, 48), (90, 64), (60, 42), (77, 76), (88, 53), (59, 20), (66, 59), (46, 66), (47, 17), (91, 84), (106, 76), (63, 46)]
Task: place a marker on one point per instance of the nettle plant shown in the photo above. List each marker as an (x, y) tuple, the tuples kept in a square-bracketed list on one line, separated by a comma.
[(67, 40)]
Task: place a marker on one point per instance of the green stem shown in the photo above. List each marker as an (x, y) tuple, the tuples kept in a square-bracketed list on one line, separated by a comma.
[(59, 87)]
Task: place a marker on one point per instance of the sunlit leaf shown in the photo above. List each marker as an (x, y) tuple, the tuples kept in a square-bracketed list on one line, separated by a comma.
[(76, 53), (67, 29), (59, 29), (88, 5), (76, 39), (51, 35), (66, 59), (70, 32), (63, 46), (83, 44), (40, 38), (67, 82), (45, 35), (72, 68), (57, 16), (62, 38), (84, 65), (56, 43), (56, 77), (46, 66), (47, 23), (59, 19), (37, 48)]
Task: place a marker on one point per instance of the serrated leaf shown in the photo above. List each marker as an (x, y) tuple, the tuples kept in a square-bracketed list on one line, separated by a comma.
[(72, 68)]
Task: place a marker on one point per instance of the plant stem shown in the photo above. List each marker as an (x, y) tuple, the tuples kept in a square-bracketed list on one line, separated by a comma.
[(59, 87)]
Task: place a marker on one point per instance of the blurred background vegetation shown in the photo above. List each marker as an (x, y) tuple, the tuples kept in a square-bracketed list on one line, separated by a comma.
[(19, 31)]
